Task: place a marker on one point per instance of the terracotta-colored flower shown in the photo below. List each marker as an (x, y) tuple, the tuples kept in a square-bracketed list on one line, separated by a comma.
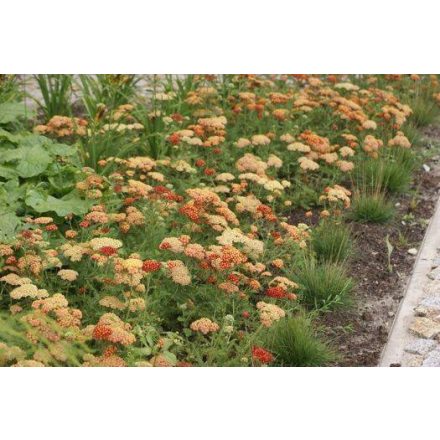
[(276, 292), (261, 355), (151, 266)]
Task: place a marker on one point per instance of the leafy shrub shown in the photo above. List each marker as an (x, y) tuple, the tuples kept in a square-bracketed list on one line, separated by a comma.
[(294, 344), (37, 175), (98, 146)]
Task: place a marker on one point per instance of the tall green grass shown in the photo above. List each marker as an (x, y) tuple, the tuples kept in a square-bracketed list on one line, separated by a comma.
[(295, 344), (425, 110), (99, 92), (56, 91), (371, 207), (391, 172), (332, 242), (324, 286)]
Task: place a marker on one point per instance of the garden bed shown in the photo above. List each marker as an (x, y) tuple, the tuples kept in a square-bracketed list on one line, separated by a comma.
[(234, 220)]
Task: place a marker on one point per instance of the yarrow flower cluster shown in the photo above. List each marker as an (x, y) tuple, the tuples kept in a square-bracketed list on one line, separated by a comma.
[(28, 291), (112, 329), (178, 272), (204, 326), (269, 313), (68, 274)]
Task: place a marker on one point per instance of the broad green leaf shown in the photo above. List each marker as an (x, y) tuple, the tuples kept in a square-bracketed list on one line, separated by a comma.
[(11, 192), (69, 204), (32, 161), (61, 178), (8, 224), (61, 150), (32, 140), (13, 138), (10, 155), (14, 190), (11, 111), (8, 172), (142, 351), (170, 357)]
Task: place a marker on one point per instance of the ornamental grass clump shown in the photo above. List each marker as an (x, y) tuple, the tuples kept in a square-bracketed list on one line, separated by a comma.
[(332, 242), (397, 178), (324, 286), (390, 173), (371, 207), (424, 110), (294, 343)]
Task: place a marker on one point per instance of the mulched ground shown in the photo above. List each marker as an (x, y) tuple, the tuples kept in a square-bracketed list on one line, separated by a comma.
[(361, 332)]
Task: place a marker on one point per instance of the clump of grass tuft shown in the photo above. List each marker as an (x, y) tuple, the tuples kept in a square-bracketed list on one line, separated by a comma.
[(424, 109), (412, 132), (391, 173), (405, 157), (324, 286), (295, 344), (396, 178), (332, 242), (371, 207)]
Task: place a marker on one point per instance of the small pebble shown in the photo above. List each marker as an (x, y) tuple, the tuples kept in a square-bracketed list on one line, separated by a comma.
[(426, 168), (412, 251)]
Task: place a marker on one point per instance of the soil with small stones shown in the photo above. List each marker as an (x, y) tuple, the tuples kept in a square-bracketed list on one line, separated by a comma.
[(361, 332)]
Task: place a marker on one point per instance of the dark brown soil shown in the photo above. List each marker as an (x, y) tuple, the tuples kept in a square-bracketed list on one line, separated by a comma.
[(361, 332)]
